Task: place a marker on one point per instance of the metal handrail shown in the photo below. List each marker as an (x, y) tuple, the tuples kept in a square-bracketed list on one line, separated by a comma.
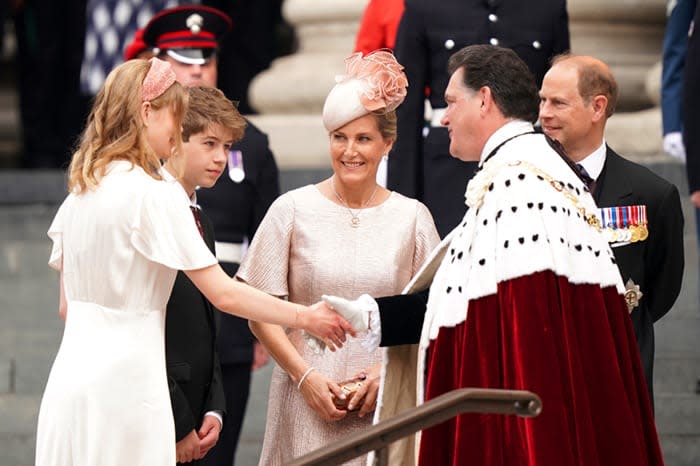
[(435, 411)]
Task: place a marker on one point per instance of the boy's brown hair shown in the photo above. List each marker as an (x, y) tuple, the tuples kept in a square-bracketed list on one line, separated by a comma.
[(209, 106)]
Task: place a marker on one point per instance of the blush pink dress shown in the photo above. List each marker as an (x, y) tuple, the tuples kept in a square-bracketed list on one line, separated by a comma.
[(305, 247)]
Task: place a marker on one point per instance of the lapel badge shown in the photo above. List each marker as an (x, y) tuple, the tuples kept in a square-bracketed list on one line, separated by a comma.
[(632, 295), (194, 23)]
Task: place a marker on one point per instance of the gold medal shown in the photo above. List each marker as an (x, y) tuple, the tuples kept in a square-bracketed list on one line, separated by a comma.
[(634, 229), (643, 232)]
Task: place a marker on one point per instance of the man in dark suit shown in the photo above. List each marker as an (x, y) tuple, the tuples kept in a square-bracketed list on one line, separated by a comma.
[(236, 203), (420, 164), (680, 16), (194, 375), (691, 122), (691, 114), (641, 210)]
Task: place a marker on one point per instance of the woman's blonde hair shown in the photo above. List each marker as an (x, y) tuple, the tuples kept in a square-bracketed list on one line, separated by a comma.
[(115, 129)]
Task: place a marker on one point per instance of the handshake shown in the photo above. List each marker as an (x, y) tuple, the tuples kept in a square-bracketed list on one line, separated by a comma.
[(356, 312)]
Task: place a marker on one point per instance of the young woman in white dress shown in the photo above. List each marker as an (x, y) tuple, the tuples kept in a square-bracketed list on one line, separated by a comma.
[(118, 240)]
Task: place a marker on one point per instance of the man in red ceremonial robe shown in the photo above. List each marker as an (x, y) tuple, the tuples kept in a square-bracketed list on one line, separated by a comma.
[(524, 294)]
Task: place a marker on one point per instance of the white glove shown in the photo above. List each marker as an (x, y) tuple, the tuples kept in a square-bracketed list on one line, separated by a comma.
[(673, 145), (356, 312)]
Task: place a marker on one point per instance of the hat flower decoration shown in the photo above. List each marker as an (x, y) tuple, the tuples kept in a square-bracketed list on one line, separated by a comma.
[(371, 83)]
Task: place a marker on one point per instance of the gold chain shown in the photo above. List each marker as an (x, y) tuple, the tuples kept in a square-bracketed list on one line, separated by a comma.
[(590, 218), (355, 219)]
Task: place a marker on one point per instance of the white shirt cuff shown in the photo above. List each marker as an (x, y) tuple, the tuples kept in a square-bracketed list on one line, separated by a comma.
[(218, 415)]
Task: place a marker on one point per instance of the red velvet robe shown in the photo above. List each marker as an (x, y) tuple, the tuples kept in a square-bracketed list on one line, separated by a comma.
[(574, 346), (527, 297)]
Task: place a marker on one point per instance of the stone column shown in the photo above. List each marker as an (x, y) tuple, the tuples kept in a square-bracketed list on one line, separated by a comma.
[(291, 93), (628, 36)]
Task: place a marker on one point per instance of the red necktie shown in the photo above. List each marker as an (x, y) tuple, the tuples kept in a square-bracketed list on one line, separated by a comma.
[(197, 220)]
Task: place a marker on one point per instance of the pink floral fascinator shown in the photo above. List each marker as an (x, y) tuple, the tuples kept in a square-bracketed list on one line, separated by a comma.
[(158, 79), (373, 83)]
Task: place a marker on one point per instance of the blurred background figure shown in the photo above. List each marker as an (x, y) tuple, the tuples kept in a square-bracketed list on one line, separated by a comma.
[(675, 47), (49, 50), (420, 164), (110, 25), (237, 202), (260, 35), (378, 26)]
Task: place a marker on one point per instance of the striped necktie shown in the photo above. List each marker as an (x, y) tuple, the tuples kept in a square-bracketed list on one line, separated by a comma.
[(197, 220), (587, 178)]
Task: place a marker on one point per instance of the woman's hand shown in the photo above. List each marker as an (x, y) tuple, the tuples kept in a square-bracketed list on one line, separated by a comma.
[(324, 323), (366, 395), (318, 392)]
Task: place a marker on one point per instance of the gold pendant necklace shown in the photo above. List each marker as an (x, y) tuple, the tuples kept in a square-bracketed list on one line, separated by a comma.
[(354, 216)]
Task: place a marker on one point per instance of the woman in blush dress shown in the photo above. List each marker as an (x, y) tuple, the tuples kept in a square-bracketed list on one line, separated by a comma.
[(118, 240), (345, 235)]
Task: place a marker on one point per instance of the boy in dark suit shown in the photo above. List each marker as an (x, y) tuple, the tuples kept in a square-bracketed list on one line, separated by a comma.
[(211, 126), (188, 37), (642, 211)]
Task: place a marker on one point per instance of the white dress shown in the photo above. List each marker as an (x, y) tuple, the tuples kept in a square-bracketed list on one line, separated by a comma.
[(119, 247)]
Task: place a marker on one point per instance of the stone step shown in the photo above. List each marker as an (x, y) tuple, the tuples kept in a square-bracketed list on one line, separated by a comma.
[(678, 414), (678, 334), (18, 436), (681, 450), (676, 373)]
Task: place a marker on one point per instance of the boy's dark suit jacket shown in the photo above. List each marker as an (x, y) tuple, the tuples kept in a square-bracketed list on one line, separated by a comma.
[(656, 264), (194, 373)]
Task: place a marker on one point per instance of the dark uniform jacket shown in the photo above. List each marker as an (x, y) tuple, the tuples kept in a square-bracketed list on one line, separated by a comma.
[(429, 32), (691, 107), (194, 373), (656, 264)]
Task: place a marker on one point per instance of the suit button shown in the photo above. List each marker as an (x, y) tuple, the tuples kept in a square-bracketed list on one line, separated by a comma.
[(449, 44), (493, 18), (537, 44), (493, 41)]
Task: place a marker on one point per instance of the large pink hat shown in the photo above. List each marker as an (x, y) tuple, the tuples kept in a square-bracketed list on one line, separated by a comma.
[(375, 82)]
